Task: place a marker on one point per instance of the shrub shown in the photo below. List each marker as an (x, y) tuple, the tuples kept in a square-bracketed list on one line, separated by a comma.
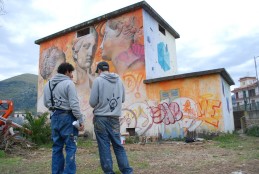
[(253, 131), (41, 131), (2, 154)]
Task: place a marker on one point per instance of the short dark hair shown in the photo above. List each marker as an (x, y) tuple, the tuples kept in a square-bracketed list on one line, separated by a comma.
[(103, 66), (65, 67)]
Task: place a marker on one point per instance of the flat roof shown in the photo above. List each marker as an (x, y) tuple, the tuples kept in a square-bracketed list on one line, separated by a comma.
[(220, 71), (133, 7)]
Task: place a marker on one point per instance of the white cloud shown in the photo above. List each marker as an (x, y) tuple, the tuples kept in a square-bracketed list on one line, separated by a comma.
[(208, 29)]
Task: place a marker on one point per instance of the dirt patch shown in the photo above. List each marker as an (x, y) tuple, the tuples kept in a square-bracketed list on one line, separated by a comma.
[(156, 158)]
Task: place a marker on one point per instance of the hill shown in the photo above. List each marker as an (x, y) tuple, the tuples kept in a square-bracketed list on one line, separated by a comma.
[(22, 90)]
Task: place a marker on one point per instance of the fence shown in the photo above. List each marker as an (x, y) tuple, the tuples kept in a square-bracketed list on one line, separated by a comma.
[(247, 107)]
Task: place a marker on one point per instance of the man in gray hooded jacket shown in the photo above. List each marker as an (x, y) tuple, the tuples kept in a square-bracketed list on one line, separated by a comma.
[(107, 96), (61, 99)]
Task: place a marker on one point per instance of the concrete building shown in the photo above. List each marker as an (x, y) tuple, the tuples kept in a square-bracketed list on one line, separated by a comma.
[(247, 94), (140, 46)]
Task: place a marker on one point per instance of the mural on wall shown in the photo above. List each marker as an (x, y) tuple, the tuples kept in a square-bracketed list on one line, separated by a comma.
[(160, 49), (188, 106), (120, 44), (173, 119), (163, 56), (119, 41), (52, 54), (168, 108)]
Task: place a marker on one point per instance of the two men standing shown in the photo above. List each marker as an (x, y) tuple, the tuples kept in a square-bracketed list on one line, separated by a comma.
[(107, 96)]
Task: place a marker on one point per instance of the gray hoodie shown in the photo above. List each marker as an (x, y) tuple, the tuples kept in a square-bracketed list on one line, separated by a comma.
[(64, 95), (107, 95)]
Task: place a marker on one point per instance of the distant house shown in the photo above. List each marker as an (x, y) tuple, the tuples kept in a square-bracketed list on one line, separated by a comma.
[(247, 94), (140, 46), (19, 114)]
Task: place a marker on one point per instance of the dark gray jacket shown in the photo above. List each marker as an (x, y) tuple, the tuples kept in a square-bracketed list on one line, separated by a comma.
[(64, 95), (107, 95)]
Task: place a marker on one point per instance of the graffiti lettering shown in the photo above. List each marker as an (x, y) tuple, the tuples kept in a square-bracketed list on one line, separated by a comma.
[(132, 83), (209, 111), (166, 113)]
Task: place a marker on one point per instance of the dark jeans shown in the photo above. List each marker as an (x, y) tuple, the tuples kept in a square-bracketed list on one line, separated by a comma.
[(107, 129), (63, 133)]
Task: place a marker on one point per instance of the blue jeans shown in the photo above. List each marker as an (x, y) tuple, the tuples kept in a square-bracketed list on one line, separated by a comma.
[(63, 133), (107, 129)]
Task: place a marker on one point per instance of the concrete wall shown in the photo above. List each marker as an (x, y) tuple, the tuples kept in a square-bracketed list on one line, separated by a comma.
[(227, 106), (119, 41), (160, 50), (191, 104), (168, 109)]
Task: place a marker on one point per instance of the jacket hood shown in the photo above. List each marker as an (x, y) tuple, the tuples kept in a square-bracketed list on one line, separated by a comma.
[(111, 77), (58, 78)]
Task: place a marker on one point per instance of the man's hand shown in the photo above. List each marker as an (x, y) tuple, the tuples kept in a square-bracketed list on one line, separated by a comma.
[(81, 128)]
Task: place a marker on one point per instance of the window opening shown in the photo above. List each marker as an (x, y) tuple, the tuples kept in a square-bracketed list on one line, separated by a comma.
[(83, 32)]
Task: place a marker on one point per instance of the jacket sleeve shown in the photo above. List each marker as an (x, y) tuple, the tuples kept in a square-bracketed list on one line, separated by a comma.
[(74, 102), (123, 93), (94, 97), (46, 96)]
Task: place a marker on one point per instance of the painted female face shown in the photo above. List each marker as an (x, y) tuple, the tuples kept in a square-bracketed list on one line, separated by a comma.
[(85, 49), (110, 42), (51, 59)]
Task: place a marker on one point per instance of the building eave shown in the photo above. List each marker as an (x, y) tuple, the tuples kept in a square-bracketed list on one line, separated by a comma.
[(254, 85), (133, 7), (220, 71)]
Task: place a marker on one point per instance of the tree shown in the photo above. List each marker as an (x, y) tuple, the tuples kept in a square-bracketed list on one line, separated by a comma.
[(2, 9)]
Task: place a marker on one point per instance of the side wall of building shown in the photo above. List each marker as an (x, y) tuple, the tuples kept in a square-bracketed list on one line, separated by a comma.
[(227, 107), (178, 106), (119, 41), (160, 49), (169, 109)]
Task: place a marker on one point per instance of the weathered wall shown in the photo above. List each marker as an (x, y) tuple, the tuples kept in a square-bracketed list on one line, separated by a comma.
[(177, 106), (160, 50), (227, 106), (119, 41), (169, 108)]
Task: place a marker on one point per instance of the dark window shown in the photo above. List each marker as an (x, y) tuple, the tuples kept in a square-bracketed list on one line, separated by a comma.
[(237, 95), (161, 29), (83, 32), (131, 131), (251, 93), (244, 94)]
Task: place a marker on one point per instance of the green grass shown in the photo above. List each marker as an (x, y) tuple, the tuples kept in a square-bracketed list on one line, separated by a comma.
[(2, 154), (142, 165), (229, 141), (143, 159), (9, 161), (253, 131), (85, 143), (47, 145)]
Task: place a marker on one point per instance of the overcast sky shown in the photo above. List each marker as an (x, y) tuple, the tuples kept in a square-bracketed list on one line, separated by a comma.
[(213, 33)]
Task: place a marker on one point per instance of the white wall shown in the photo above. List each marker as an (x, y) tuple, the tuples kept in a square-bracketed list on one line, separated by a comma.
[(227, 107), (154, 41)]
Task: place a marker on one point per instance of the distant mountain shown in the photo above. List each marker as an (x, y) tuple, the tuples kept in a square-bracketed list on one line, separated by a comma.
[(22, 90)]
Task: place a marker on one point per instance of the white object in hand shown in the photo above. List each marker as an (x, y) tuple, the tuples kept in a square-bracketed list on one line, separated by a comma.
[(76, 124)]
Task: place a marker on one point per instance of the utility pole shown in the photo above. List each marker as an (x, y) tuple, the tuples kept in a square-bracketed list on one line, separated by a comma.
[(256, 71), (255, 57)]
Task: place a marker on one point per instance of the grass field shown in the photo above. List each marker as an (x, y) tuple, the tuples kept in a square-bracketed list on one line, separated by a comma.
[(224, 154)]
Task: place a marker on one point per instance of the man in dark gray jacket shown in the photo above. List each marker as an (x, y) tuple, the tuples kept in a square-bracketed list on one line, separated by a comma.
[(107, 96), (61, 99)]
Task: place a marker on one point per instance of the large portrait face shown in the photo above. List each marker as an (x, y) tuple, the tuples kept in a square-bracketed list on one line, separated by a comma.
[(84, 49), (109, 42), (51, 58)]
